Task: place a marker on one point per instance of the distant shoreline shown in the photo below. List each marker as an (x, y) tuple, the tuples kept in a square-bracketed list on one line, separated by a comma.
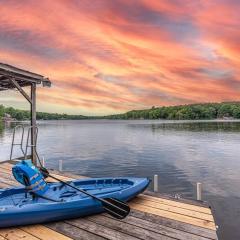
[(202, 111)]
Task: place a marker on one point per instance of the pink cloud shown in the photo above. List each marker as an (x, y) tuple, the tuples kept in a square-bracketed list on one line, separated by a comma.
[(116, 56)]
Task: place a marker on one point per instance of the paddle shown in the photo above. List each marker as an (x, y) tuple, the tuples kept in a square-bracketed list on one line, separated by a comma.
[(113, 206)]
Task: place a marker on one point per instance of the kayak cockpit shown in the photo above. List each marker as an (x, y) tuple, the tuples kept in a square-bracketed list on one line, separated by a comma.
[(59, 192)]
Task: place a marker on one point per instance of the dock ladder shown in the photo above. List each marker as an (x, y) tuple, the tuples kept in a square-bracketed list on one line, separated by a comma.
[(27, 145)]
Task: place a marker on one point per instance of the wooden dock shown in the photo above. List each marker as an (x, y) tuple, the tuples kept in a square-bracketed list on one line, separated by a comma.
[(152, 216)]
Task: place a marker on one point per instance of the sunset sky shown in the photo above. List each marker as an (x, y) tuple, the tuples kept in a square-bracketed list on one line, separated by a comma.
[(110, 56)]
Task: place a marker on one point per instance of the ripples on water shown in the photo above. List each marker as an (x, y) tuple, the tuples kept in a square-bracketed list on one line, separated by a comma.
[(182, 153)]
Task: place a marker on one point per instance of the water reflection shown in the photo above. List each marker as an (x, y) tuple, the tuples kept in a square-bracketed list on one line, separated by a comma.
[(198, 126), (1, 128)]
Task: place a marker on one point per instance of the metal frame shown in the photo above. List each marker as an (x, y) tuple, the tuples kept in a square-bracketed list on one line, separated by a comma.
[(12, 77), (17, 144)]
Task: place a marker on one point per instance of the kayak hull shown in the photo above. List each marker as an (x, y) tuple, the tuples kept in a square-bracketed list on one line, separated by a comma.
[(62, 202)]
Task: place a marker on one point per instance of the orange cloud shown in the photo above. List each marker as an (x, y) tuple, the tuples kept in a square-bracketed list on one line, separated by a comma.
[(113, 56)]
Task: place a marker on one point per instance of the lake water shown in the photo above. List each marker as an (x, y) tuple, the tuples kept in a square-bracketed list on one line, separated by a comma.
[(181, 153)]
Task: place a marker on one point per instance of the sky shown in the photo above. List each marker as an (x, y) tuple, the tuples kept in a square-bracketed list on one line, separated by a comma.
[(111, 56)]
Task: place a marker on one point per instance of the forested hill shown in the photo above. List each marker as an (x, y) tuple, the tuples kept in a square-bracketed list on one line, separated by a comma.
[(191, 111), (25, 115)]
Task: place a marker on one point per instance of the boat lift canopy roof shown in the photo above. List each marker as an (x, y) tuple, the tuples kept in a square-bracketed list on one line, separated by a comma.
[(15, 78), (22, 77)]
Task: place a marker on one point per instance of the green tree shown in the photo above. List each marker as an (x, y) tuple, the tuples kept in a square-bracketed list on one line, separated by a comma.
[(225, 110), (236, 112), (1, 111)]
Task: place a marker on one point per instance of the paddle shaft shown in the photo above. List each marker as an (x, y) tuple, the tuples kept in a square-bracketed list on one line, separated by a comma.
[(114, 207), (45, 171), (78, 189)]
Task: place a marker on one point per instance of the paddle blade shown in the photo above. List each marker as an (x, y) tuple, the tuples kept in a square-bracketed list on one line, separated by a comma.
[(116, 208)]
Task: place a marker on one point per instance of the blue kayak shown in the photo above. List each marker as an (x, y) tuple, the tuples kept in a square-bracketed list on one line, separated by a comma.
[(18, 207)]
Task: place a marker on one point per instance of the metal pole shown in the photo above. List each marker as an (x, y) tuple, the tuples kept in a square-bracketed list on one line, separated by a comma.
[(155, 183), (43, 161), (199, 191), (33, 123)]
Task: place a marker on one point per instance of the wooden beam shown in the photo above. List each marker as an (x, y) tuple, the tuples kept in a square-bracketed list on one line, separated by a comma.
[(14, 82), (42, 232), (11, 69), (33, 123)]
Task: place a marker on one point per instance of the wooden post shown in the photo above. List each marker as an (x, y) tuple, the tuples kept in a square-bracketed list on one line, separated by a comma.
[(199, 191), (33, 123), (60, 165), (155, 183)]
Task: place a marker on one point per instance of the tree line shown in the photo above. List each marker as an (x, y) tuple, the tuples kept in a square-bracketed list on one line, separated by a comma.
[(21, 115), (180, 112), (185, 112)]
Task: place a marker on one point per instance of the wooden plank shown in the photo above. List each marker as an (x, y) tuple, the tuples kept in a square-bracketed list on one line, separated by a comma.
[(3, 166), (4, 185), (174, 203), (181, 226), (73, 231), (7, 178), (64, 175), (176, 216), (16, 234), (9, 181), (7, 168), (181, 200), (148, 202), (8, 174), (158, 228), (128, 228), (6, 171), (100, 230), (43, 232), (6, 165)]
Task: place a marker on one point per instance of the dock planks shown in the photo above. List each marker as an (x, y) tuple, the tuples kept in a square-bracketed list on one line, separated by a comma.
[(152, 216)]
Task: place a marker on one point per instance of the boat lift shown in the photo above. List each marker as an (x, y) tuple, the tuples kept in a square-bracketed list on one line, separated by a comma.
[(15, 78)]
